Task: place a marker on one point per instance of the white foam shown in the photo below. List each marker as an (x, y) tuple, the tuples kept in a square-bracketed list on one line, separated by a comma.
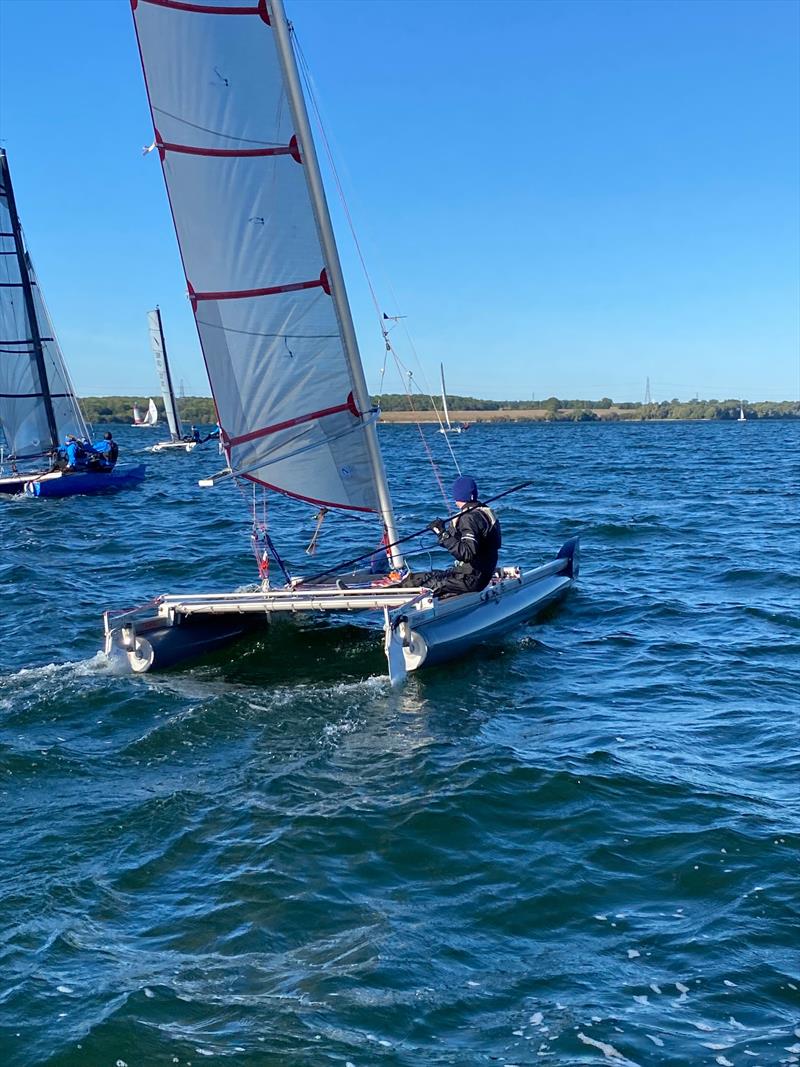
[(633, 953), (655, 1040), (723, 1062), (536, 1018), (641, 1000), (681, 987), (608, 1050), (655, 987)]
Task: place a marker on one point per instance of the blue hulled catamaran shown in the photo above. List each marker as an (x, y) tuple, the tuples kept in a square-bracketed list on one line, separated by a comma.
[(40, 416)]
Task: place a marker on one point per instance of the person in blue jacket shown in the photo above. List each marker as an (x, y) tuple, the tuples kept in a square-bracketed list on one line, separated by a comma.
[(105, 452), (74, 454)]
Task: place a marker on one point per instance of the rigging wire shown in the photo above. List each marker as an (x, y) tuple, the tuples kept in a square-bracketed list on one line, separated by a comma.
[(381, 316)]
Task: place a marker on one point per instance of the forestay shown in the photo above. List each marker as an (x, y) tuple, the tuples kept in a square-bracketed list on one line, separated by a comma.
[(292, 407), (38, 406), (159, 346)]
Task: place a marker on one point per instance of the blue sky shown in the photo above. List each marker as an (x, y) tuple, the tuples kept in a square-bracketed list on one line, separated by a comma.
[(563, 198)]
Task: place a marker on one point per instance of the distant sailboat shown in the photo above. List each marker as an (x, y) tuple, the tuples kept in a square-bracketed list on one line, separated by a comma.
[(38, 405), (150, 419), (448, 427), (159, 346), (742, 416)]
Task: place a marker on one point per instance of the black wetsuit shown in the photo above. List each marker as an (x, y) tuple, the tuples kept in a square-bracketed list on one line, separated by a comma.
[(473, 537)]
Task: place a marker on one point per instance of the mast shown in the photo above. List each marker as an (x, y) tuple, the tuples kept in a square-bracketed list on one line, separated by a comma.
[(444, 398), (27, 293), (322, 218), (159, 346)]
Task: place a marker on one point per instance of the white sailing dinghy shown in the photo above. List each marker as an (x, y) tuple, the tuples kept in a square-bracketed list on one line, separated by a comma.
[(448, 427), (159, 345), (266, 286), (742, 416), (38, 405), (150, 418)]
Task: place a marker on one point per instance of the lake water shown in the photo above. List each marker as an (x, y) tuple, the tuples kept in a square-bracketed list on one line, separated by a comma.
[(578, 846)]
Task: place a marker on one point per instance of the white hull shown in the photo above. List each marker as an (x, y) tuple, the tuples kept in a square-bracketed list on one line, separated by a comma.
[(449, 429), (174, 446), (419, 630)]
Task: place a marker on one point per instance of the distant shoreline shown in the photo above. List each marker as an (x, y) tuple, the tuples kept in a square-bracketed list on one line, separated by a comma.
[(199, 410), (527, 415)]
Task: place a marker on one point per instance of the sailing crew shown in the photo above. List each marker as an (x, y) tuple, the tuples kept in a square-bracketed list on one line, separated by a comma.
[(472, 537), (72, 456), (106, 452)]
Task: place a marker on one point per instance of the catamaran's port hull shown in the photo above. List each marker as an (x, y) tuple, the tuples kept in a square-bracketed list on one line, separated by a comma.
[(174, 446), (158, 645), (14, 484), (74, 483), (419, 630)]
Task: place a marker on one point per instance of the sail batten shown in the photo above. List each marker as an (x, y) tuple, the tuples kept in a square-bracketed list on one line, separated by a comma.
[(262, 271)]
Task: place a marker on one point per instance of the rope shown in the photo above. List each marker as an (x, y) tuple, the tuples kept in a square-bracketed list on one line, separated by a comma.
[(312, 544)]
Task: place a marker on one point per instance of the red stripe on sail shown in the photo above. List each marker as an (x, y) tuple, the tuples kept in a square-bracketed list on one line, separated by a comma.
[(291, 149), (208, 9), (254, 435), (271, 290)]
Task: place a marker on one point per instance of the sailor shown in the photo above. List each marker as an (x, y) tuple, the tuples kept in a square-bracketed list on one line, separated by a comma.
[(472, 537), (106, 452), (74, 454)]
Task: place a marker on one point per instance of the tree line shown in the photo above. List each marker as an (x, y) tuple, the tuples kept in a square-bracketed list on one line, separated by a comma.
[(199, 410)]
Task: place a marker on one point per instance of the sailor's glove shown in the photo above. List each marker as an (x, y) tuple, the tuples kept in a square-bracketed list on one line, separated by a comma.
[(437, 527)]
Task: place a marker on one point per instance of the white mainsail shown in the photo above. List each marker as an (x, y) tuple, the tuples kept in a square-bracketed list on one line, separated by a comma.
[(444, 398), (151, 418), (38, 406), (159, 346), (261, 265)]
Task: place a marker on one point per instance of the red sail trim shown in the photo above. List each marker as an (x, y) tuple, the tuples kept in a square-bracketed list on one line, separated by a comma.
[(254, 435), (271, 290), (208, 9), (291, 149), (308, 499)]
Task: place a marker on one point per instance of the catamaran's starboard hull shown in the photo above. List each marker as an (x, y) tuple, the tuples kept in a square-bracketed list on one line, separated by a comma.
[(419, 629), (435, 631), (74, 483)]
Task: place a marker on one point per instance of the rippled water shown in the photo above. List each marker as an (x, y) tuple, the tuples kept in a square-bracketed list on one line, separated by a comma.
[(580, 846)]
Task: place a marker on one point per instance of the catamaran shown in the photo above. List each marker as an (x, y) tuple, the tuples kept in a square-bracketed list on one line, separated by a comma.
[(448, 427), (176, 442), (266, 287), (38, 405), (150, 417)]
